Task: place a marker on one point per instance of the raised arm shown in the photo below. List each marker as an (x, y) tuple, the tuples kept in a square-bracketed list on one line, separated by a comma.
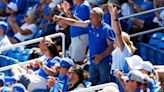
[(70, 21), (116, 26)]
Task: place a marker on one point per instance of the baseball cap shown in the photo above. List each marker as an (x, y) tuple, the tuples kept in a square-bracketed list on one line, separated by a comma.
[(135, 75), (133, 61), (146, 65), (13, 6), (3, 25), (112, 87), (66, 62), (18, 87)]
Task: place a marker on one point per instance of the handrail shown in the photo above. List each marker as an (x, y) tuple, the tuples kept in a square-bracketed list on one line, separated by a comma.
[(146, 32), (140, 13), (18, 64), (90, 89), (37, 40)]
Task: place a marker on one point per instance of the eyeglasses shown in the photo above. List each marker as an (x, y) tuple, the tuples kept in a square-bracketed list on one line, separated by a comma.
[(130, 81), (71, 73)]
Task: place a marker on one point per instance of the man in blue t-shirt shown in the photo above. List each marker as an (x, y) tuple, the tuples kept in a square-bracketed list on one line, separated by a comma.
[(101, 39), (79, 36)]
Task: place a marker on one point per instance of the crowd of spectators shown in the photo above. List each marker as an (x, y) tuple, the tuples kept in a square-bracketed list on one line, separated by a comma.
[(98, 46)]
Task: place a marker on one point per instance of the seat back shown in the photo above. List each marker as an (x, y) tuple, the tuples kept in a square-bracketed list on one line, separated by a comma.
[(24, 55), (14, 53), (161, 44), (155, 38)]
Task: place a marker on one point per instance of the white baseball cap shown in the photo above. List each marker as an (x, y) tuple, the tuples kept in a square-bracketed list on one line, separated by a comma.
[(112, 87), (135, 75), (13, 6), (133, 61), (146, 65)]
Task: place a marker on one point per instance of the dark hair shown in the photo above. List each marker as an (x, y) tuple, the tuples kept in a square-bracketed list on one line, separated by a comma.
[(79, 71), (52, 47)]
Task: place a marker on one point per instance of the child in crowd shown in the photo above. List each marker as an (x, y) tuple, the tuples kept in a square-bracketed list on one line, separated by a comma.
[(59, 83)]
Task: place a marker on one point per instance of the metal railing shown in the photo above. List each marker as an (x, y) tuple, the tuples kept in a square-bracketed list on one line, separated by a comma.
[(31, 42), (98, 87), (141, 13), (93, 88), (147, 32), (37, 40)]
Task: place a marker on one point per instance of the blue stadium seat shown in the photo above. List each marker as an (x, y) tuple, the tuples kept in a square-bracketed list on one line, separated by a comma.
[(24, 55), (154, 40), (5, 61), (161, 44), (154, 55), (4, 52), (159, 58), (14, 53), (143, 50), (12, 61)]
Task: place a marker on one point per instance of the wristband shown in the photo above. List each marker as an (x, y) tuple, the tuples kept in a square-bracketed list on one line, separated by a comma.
[(116, 20)]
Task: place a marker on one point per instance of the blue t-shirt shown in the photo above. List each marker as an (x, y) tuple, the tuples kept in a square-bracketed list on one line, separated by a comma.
[(153, 85), (61, 84), (98, 39), (48, 62), (82, 12), (21, 5), (46, 12), (107, 18)]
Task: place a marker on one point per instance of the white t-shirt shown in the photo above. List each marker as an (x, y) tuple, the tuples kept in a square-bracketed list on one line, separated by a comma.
[(160, 23), (5, 42), (126, 9), (80, 86), (118, 58), (31, 27)]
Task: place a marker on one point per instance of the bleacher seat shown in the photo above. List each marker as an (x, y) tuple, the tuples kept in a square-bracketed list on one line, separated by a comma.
[(154, 55), (14, 53), (4, 52), (5, 61), (161, 44), (25, 55), (155, 38)]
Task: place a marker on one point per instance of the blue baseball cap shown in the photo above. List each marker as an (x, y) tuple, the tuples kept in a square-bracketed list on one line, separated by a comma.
[(66, 62), (3, 25), (18, 87)]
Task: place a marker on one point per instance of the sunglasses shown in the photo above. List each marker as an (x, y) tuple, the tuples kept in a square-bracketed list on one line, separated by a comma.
[(130, 81)]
